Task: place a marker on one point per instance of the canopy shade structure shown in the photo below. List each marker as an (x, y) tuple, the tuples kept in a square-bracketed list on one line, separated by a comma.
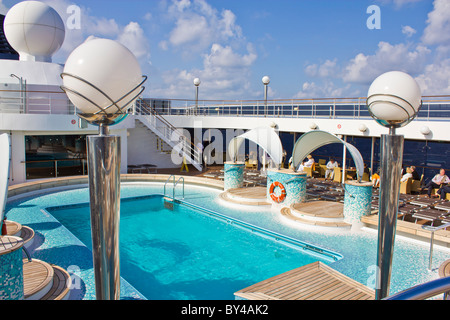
[(313, 140), (265, 137), (4, 172)]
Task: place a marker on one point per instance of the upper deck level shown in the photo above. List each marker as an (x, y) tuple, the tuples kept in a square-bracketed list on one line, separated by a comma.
[(345, 116)]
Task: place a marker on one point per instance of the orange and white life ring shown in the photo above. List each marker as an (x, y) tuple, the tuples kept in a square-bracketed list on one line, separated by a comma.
[(279, 198)]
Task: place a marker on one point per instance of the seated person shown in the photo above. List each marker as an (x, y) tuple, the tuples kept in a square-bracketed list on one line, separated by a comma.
[(407, 175), (415, 174), (442, 192), (376, 178), (330, 169), (308, 163), (438, 181)]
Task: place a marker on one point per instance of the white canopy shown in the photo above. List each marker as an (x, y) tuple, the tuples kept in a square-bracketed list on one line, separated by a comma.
[(265, 137), (4, 172), (313, 140)]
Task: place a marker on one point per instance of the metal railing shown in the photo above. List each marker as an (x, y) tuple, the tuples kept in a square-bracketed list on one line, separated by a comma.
[(424, 291), (35, 102), (174, 185), (168, 132), (31, 100), (433, 230), (433, 108), (55, 173)]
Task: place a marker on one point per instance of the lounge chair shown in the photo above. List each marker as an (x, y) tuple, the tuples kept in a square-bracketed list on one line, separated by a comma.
[(416, 184), (429, 214), (405, 186)]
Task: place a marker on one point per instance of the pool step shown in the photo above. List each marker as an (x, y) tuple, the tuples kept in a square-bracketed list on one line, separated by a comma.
[(16, 229), (43, 281), (251, 196), (286, 213)]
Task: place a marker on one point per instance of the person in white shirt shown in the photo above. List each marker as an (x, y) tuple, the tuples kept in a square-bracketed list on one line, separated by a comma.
[(330, 169), (309, 163), (407, 175), (438, 181)]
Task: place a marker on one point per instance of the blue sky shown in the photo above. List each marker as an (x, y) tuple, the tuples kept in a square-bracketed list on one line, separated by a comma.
[(309, 48)]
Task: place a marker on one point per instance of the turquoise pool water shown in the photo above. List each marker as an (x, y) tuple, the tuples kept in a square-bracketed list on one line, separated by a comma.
[(184, 253), (54, 243)]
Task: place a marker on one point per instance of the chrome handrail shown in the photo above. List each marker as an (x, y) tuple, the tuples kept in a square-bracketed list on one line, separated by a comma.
[(433, 230), (175, 185), (172, 175), (424, 291)]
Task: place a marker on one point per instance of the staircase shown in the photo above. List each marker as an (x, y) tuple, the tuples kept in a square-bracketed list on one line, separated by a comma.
[(168, 134)]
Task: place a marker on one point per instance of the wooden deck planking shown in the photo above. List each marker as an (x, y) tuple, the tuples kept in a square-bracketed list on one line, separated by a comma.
[(36, 275), (315, 281), (250, 192), (323, 209)]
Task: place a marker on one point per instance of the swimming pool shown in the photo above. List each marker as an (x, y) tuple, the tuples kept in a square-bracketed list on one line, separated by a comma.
[(56, 244), (188, 253)]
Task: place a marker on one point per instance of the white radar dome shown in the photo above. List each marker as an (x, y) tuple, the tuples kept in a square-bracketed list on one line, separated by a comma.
[(35, 30), (109, 66)]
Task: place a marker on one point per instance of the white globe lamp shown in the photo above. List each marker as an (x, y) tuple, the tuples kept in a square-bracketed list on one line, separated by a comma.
[(266, 80), (362, 127), (197, 82), (102, 78), (35, 30), (394, 99), (425, 130)]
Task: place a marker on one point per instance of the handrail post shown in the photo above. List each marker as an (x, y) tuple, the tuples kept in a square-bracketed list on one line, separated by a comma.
[(430, 259)]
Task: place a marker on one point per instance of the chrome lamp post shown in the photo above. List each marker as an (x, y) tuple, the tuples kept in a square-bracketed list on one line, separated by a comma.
[(102, 79), (265, 81), (393, 100), (196, 84)]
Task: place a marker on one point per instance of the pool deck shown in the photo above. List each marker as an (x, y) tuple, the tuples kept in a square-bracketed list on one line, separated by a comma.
[(315, 281), (443, 236)]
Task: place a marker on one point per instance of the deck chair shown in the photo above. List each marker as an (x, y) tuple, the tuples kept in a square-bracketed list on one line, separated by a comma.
[(322, 161), (405, 186), (337, 174), (415, 185)]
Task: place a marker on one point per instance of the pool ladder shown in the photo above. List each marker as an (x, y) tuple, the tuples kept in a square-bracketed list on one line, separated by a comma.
[(174, 185)]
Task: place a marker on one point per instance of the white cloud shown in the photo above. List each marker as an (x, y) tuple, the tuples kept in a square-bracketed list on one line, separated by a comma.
[(436, 78), (327, 69), (408, 31), (399, 3), (3, 8), (437, 31), (198, 25), (132, 36), (225, 75), (325, 88), (364, 68)]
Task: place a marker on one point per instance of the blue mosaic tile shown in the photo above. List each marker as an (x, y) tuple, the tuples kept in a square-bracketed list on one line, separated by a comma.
[(233, 175), (293, 183), (357, 201)]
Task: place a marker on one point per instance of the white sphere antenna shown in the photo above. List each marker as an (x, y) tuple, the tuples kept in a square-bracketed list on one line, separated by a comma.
[(35, 30)]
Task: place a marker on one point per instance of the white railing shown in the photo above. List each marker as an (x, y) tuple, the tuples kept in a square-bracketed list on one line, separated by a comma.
[(433, 108), (35, 102), (38, 101), (171, 135)]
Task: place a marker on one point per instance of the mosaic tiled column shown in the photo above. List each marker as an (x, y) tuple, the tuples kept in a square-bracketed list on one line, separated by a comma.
[(233, 175), (294, 184), (11, 268), (357, 201)]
